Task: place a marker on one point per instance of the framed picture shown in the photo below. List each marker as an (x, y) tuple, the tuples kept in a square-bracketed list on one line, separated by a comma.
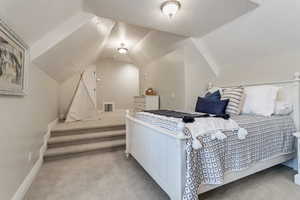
[(13, 62)]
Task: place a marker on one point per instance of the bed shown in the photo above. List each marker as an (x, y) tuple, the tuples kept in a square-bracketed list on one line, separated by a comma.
[(163, 148)]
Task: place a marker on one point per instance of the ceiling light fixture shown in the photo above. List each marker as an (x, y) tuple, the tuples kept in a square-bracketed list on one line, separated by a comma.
[(122, 49), (170, 8)]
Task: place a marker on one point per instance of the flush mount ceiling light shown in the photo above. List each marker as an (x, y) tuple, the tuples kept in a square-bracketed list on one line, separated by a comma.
[(122, 49), (170, 8)]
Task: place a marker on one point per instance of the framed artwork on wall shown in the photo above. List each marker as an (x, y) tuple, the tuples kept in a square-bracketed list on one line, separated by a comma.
[(14, 57)]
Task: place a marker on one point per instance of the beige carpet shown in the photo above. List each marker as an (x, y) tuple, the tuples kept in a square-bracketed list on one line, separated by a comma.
[(109, 176)]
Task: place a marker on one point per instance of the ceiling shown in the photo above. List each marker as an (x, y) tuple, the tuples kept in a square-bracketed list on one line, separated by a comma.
[(155, 45), (90, 43), (32, 19), (75, 52), (138, 24), (196, 17), (124, 33), (264, 43)]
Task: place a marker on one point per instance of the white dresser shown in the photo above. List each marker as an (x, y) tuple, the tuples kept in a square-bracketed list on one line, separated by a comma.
[(146, 103)]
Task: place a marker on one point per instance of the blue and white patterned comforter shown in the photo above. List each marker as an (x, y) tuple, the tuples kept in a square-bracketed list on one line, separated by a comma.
[(267, 137)]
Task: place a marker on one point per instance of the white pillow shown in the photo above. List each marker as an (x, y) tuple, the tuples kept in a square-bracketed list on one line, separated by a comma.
[(283, 108), (285, 94), (260, 100)]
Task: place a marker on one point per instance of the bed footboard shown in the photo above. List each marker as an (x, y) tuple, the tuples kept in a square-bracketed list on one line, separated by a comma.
[(297, 176), (160, 153)]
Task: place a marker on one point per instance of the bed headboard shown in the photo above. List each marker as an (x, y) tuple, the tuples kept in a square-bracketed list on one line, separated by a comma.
[(293, 88)]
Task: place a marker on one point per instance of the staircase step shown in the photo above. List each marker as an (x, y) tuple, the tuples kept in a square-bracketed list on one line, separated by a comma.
[(83, 148), (77, 131), (60, 141)]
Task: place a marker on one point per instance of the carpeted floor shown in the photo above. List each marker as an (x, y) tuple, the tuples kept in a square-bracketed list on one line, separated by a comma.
[(110, 176), (105, 119)]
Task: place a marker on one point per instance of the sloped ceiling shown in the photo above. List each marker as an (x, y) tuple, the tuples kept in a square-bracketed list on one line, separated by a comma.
[(154, 45), (124, 33), (87, 45), (77, 51), (32, 19), (196, 17), (263, 43)]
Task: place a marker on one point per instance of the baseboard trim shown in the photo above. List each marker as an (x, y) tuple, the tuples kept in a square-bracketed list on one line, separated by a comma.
[(24, 187), (47, 136)]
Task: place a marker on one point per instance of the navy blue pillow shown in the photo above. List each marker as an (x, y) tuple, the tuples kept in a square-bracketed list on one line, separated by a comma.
[(209, 106), (216, 96)]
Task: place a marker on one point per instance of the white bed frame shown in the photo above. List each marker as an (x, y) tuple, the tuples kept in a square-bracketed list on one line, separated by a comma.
[(162, 153)]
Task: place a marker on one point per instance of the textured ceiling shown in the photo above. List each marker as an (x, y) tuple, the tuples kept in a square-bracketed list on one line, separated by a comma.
[(196, 17)]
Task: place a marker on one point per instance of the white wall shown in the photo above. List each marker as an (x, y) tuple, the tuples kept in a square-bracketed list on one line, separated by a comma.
[(119, 83), (198, 74), (24, 122), (173, 66), (166, 75), (260, 46)]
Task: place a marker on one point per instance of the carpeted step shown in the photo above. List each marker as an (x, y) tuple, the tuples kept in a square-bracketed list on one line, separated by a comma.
[(62, 152), (68, 140), (76, 131)]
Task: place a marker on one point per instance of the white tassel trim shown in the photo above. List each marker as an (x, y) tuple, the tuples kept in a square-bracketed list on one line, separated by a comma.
[(218, 135), (196, 144), (242, 133)]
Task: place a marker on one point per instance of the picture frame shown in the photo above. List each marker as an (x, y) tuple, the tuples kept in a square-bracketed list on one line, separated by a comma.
[(14, 58)]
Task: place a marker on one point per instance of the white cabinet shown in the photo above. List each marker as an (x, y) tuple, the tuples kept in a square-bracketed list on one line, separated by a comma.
[(146, 103)]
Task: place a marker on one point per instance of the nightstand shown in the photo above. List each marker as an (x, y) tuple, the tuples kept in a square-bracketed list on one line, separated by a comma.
[(146, 103), (297, 176)]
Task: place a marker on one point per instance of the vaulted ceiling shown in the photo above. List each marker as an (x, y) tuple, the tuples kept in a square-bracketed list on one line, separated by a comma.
[(66, 36)]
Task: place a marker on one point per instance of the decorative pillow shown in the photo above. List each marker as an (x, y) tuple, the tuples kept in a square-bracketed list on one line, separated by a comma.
[(211, 107), (260, 100), (216, 96), (236, 99)]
